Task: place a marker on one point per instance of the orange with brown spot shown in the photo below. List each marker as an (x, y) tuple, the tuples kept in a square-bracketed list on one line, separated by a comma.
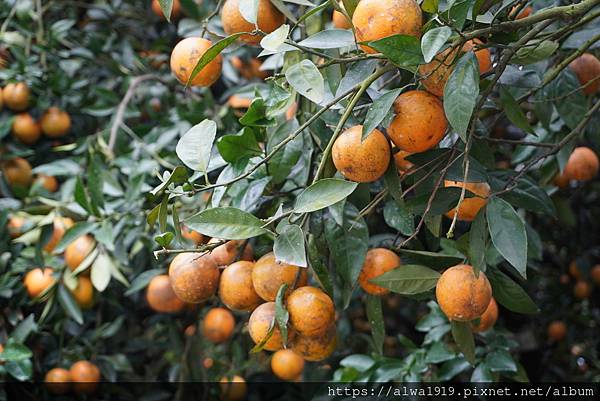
[(268, 275), (311, 311), (377, 262), (186, 55), (194, 277), (469, 207), (361, 161), (315, 348), (161, 297), (269, 19), (488, 319), (461, 295), (420, 122), (218, 325), (236, 289)]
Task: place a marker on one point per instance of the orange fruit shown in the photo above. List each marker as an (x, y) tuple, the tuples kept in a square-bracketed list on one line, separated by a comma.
[(311, 311), (36, 281), (17, 172), (58, 381), (55, 122), (16, 96), (226, 254), (315, 348), (175, 11), (461, 295), (15, 225), (268, 275), (402, 164), (269, 19), (189, 331), (488, 319), (208, 363), (239, 102), (340, 21), (233, 389), (582, 290), (193, 236), (161, 297), (377, 262), (561, 180), (26, 129), (557, 330), (291, 111), (186, 55), (259, 323), (60, 226), (376, 19), (361, 161), (287, 364), (469, 207), (582, 164), (236, 289), (218, 325), (85, 376), (84, 292), (526, 12), (587, 68), (78, 250), (435, 73), (48, 182), (194, 277), (420, 122)]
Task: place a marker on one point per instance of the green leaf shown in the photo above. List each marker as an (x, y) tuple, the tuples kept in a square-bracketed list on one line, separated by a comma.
[(179, 175), (478, 238), (317, 263), (430, 6), (256, 115), (408, 279), (538, 52), (226, 223), (142, 280), (242, 145), (375, 316), (329, 39), (282, 316), (402, 50), (513, 110), (20, 370), (75, 231), (399, 218), (457, 14), (507, 231), (211, 53), (307, 80), (482, 374), (433, 40), (15, 351), (289, 246), (95, 183), (460, 93), (378, 111), (282, 162), (69, 305), (195, 146), (167, 7), (249, 10), (510, 294), (350, 6), (101, 271), (439, 352), (275, 39), (571, 108), (323, 193), (163, 213), (463, 337), (432, 259), (527, 194), (500, 361), (81, 196)]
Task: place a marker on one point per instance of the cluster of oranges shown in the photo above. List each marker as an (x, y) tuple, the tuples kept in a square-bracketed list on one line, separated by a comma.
[(82, 378)]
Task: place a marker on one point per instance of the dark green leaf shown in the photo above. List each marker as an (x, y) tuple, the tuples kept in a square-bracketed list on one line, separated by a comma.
[(460, 93), (408, 279), (378, 111), (167, 7), (510, 294), (281, 314), (432, 259), (513, 110), (478, 239), (226, 223), (307, 80), (329, 39), (463, 337), (402, 50), (433, 40), (507, 231), (242, 145), (375, 316), (323, 193), (500, 361), (69, 305), (289, 246)]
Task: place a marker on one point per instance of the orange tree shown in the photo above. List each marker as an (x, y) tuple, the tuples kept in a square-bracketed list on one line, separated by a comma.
[(187, 186)]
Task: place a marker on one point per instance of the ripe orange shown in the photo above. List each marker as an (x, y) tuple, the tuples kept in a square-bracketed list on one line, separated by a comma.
[(259, 323), (315, 348), (175, 11), (36, 281), (226, 254), (208, 363), (194, 277), (561, 180), (582, 165), (582, 290), (469, 207), (435, 73), (461, 295), (420, 122), (376, 19), (58, 381), (311, 311), (85, 376), (402, 164), (557, 330), (269, 19), (60, 225), (595, 273), (16, 96), (193, 236), (78, 250), (48, 182), (161, 297), (55, 122), (268, 275), (358, 161), (236, 289), (233, 389), (189, 331), (15, 225), (26, 129), (218, 325), (377, 262), (17, 172), (84, 292), (287, 364), (239, 102), (186, 55), (340, 21), (488, 319), (587, 68)]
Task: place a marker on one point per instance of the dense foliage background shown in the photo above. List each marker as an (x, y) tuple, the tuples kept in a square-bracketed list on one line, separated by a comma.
[(124, 180)]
